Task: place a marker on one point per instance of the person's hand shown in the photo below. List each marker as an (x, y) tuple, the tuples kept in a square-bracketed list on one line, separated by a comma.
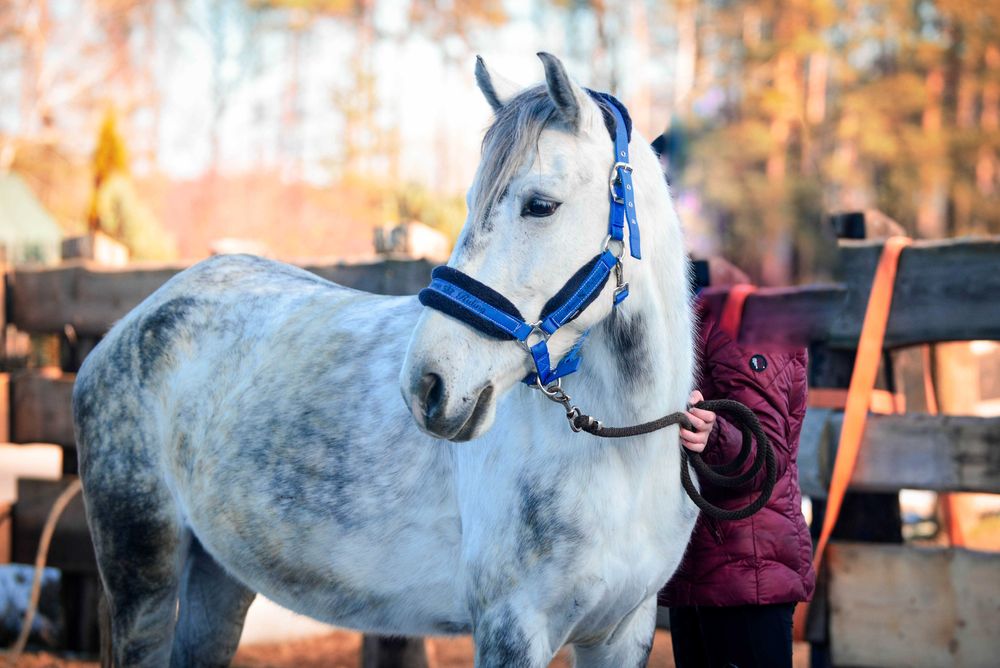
[(703, 421)]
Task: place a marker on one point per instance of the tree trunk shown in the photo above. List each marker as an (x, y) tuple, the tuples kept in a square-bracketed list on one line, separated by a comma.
[(986, 164), (931, 223)]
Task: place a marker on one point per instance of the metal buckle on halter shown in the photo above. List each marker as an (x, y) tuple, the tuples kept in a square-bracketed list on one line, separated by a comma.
[(615, 179), (536, 328), (621, 247)]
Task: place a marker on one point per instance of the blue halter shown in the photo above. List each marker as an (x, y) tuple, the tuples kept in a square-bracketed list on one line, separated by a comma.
[(462, 297)]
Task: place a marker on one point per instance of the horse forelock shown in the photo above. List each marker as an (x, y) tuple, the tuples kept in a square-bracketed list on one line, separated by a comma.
[(508, 143), (511, 140)]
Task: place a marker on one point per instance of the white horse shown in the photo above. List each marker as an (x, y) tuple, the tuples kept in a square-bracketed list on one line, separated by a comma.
[(241, 431)]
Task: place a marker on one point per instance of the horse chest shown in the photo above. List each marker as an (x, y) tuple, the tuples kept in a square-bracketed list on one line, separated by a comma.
[(598, 547)]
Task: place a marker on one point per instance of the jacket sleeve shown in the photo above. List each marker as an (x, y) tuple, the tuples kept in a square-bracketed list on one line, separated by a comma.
[(777, 398)]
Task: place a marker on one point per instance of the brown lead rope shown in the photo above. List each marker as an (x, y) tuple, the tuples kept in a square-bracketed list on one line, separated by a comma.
[(739, 415)]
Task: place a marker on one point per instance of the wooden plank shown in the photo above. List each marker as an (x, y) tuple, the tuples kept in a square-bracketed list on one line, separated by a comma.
[(71, 548), (814, 470), (945, 453), (945, 291), (92, 298), (893, 605), (389, 277), (949, 453), (777, 318), (41, 407), (941, 290)]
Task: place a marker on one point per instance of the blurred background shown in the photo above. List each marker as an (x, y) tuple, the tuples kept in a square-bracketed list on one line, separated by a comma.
[(294, 128)]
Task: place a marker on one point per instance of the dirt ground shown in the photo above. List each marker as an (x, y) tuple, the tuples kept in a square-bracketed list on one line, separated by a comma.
[(340, 649)]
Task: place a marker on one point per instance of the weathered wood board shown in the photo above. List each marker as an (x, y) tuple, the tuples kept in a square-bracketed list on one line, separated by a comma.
[(778, 318), (948, 453), (945, 291), (91, 298), (41, 407), (71, 549), (894, 605), (814, 449)]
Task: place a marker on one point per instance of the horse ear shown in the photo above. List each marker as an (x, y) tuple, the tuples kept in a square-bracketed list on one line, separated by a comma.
[(567, 95), (497, 90)]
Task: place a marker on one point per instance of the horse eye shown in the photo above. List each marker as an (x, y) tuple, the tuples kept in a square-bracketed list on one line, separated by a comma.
[(536, 207)]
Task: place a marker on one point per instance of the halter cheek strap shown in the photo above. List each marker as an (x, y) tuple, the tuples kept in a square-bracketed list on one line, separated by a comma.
[(462, 297), (622, 194)]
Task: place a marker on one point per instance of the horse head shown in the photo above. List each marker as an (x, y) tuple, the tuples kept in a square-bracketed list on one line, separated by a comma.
[(538, 211)]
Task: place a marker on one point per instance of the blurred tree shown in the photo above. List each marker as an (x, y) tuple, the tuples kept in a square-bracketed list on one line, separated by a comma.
[(804, 106), (110, 158), (115, 207)]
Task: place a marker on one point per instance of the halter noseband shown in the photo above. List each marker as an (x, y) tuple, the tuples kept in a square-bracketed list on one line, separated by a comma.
[(460, 296)]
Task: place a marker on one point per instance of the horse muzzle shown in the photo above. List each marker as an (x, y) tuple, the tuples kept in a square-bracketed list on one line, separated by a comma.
[(440, 412)]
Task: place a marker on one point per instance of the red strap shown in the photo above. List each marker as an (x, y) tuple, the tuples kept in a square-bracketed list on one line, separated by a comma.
[(859, 396), (732, 312)]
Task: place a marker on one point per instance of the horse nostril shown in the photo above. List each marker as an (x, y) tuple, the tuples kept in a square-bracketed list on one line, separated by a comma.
[(430, 391)]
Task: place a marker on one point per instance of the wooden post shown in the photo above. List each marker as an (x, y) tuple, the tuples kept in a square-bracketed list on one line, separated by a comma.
[(391, 652), (958, 392), (6, 531)]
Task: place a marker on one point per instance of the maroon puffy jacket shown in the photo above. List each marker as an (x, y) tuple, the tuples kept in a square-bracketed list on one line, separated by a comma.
[(767, 557)]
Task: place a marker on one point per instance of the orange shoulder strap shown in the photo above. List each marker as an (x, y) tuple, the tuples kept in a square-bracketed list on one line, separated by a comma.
[(732, 312), (859, 396)]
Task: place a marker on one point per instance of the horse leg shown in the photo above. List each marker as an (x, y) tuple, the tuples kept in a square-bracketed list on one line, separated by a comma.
[(505, 640), (140, 546), (213, 606), (628, 646)]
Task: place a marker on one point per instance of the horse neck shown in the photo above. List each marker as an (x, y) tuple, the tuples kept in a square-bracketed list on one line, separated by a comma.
[(640, 362)]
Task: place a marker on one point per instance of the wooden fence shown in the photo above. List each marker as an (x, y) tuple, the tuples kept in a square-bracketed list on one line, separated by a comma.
[(881, 604)]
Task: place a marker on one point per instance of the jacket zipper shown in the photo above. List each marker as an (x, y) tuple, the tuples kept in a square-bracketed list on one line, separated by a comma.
[(713, 526)]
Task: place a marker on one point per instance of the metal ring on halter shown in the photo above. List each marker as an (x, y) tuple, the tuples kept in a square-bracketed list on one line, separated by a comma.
[(614, 178), (552, 390), (536, 328), (621, 246)]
